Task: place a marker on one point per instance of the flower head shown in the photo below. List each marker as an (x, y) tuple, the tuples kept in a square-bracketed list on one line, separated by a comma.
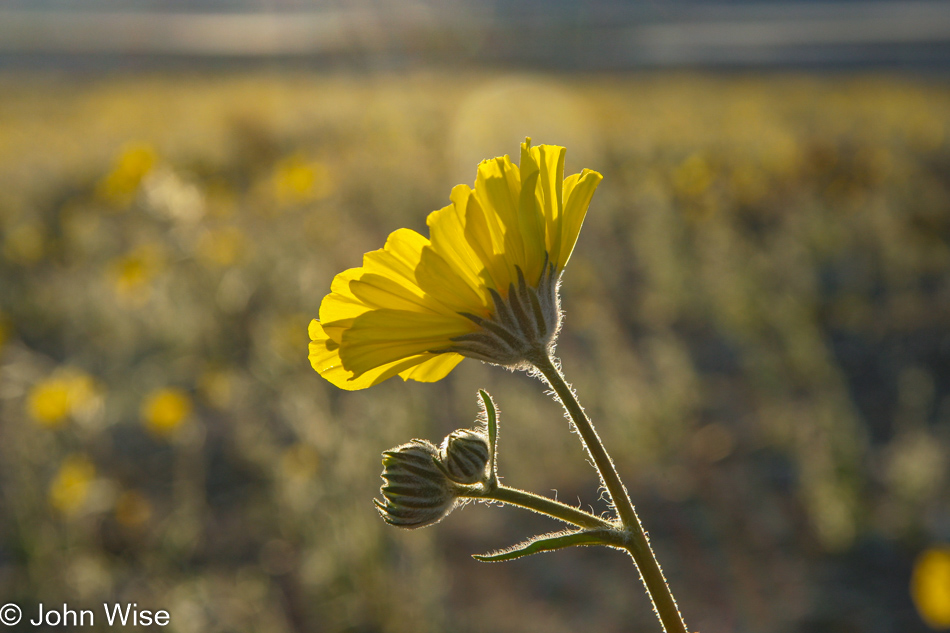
[(165, 410), (930, 587), (483, 285), (70, 489), (67, 393)]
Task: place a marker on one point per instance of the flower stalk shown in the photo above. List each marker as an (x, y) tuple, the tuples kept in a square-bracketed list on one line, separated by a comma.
[(637, 543)]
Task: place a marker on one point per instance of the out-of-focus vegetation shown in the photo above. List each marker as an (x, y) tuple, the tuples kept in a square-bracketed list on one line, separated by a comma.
[(758, 317)]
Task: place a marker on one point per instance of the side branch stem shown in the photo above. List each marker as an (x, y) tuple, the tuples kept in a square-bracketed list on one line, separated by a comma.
[(544, 505), (637, 542)]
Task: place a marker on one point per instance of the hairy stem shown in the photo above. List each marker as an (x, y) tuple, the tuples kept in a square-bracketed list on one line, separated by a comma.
[(637, 542), (543, 505)]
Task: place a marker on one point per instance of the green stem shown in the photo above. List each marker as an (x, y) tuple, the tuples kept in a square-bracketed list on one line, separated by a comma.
[(543, 505), (637, 543)]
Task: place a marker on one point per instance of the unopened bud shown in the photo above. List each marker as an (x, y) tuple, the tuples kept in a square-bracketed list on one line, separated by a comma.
[(465, 456), (417, 492)]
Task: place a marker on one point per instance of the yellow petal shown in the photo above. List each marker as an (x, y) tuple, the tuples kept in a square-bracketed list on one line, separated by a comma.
[(448, 241), (578, 191), (399, 257), (381, 292), (325, 359), (498, 187), (439, 279), (550, 164), (315, 330), (487, 245), (550, 161), (324, 355), (435, 368), (341, 303), (530, 209), (384, 336), (398, 262)]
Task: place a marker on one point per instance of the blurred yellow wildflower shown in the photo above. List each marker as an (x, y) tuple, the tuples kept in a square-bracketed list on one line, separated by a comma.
[(165, 410), (131, 166), (133, 273), (481, 286), (70, 487), (298, 180), (930, 587), (66, 393), (132, 509), (23, 244), (693, 176), (222, 247)]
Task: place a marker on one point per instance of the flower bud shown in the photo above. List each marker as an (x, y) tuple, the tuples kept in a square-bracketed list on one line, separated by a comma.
[(465, 455), (417, 492)]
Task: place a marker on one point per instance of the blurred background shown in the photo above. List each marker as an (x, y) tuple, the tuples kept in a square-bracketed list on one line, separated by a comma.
[(758, 308)]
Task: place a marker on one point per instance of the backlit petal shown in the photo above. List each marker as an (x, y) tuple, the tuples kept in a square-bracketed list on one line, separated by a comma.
[(435, 368), (448, 241), (438, 278), (384, 336), (484, 238), (498, 186), (530, 209), (341, 303), (578, 191), (325, 358)]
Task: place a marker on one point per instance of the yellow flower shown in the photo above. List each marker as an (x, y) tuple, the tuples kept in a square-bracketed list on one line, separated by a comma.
[(165, 410), (298, 180), (930, 587), (133, 273), (70, 487), (484, 285), (66, 393), (132, 165)]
